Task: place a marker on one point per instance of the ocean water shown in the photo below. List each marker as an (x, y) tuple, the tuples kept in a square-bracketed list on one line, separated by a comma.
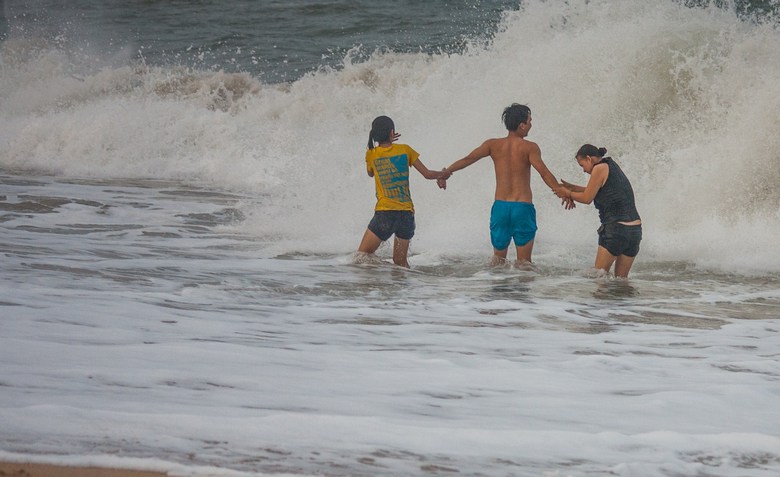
[(182, 188)]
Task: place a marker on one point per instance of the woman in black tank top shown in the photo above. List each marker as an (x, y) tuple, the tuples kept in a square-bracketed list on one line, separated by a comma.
[(610, 191)]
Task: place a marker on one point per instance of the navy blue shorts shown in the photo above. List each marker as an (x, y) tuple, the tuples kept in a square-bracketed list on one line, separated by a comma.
[(388, 222), (620, 239)]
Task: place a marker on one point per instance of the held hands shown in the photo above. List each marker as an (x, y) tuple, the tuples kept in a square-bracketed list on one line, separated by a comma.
[(564, 193), (443, 175), (441, 181)]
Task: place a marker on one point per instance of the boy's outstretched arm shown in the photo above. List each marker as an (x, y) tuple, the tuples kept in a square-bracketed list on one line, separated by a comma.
[(482, 151)]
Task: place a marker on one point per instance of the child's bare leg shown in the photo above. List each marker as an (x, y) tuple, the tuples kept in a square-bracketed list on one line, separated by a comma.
[(400, 252), (370, 242), (369, 245)]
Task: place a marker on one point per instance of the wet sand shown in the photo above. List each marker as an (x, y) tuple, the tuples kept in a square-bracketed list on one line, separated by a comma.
[(10, 469)]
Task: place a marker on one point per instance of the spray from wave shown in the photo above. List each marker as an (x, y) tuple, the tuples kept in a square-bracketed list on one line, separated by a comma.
[(685, 99)]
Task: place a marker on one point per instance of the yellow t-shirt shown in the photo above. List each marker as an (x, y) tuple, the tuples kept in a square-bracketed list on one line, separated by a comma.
[(391, 175)]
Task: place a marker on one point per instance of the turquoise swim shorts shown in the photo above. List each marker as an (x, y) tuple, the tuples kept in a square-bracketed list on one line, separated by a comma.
[(512, 221)]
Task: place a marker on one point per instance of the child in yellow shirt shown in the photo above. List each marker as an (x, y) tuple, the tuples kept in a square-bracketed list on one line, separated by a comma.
[(389, 165)]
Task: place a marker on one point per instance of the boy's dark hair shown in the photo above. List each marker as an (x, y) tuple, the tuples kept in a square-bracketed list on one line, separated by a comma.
[(380, 130), (514, 115), (591, 150)]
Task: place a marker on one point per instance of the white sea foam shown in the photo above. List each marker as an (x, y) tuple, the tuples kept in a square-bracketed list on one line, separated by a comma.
[(136, 333), (685, 99)]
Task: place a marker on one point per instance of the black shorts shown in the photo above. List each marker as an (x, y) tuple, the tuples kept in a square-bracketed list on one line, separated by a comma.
[(388, 222), (620, 239)]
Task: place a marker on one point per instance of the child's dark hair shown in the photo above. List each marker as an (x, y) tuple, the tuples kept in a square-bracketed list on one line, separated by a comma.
[(380, 130), (591, 150), (514, 115)]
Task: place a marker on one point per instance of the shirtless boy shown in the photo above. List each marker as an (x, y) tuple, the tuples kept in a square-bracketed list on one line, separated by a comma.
[(513, 216)]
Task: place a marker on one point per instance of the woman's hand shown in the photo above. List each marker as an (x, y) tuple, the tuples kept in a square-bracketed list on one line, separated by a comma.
[(565, 195), (562, 192)]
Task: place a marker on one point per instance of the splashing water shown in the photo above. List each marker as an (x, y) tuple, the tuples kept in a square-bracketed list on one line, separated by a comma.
[(685, 99)]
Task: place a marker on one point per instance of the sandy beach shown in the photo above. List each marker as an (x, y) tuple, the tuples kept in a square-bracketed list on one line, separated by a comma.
[(10, 469)]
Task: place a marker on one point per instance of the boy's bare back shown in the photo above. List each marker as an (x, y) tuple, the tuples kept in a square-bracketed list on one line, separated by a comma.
[(512, 157)]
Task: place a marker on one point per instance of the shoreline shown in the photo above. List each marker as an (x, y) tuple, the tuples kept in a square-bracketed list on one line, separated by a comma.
[(19, 469)]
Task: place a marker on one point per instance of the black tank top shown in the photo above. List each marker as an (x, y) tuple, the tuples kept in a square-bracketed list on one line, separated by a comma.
[(615, 199)]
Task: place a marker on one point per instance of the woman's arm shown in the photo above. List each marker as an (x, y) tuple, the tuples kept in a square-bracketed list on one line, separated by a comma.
[(572, 187), (598, 177)]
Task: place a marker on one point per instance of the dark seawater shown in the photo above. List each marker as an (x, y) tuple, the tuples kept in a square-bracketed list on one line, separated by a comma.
[(275, 40)]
